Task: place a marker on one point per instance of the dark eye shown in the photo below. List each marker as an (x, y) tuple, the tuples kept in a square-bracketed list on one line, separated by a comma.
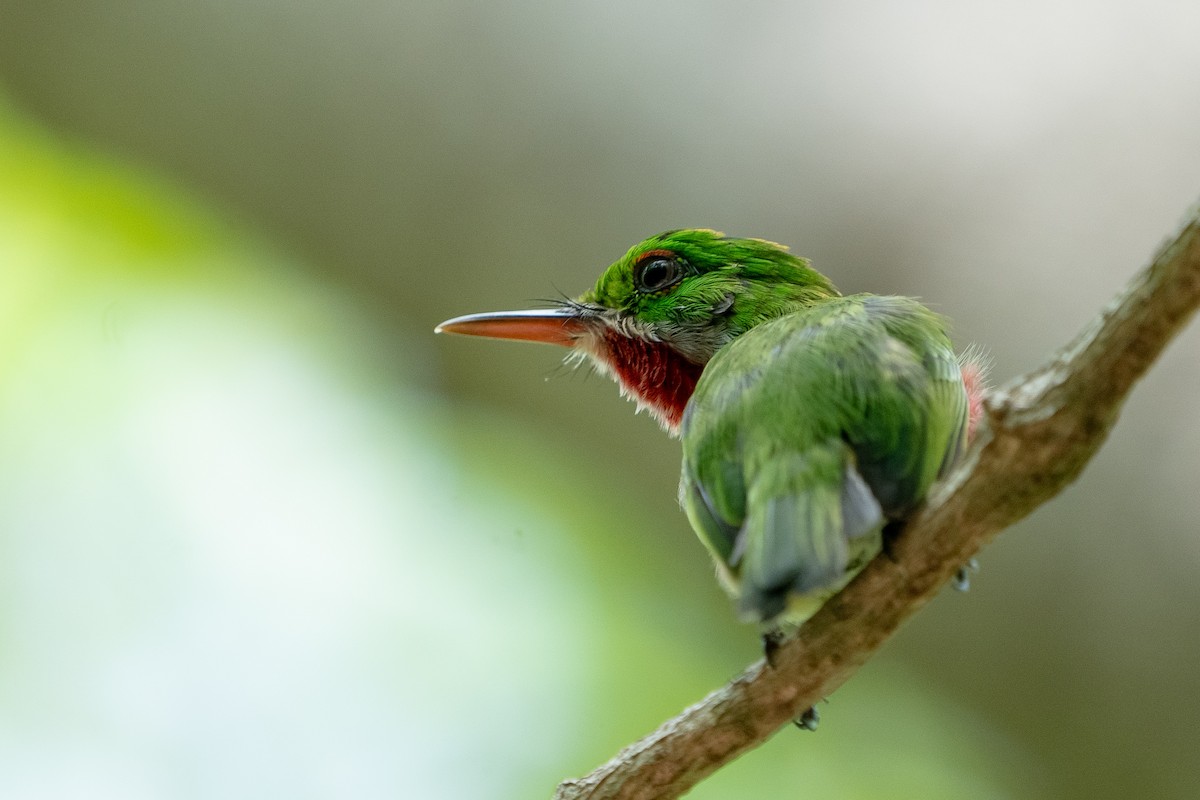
[(657, 273)]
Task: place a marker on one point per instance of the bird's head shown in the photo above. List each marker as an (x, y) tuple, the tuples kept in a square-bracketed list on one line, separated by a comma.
[(659, 313)]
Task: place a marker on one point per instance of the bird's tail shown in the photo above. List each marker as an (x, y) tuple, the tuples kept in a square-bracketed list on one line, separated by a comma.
[(804, 513)]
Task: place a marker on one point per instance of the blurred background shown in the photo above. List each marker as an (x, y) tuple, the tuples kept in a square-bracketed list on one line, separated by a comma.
[(263, 535)]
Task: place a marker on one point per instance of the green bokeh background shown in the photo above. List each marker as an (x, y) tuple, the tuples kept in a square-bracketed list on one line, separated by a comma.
[(263, 535)]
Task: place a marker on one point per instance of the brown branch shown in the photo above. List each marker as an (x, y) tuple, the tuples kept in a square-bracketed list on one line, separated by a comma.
[(1042, 429)]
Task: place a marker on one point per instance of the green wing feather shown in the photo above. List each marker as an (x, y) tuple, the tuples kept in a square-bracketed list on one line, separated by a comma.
[(806, 434)]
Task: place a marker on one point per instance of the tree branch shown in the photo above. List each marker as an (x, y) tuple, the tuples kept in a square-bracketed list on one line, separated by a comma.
[(1041, 431)]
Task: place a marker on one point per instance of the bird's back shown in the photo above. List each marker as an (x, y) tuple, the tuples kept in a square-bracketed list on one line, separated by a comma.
[(806, 433)]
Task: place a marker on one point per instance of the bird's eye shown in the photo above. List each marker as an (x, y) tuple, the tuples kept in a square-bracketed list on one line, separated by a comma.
[(658, 272)]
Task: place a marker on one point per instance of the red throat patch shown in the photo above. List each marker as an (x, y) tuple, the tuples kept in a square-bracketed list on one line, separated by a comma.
[(654, 375)]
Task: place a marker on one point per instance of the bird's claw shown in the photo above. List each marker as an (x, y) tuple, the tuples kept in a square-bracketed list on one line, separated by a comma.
[(771, 640), (962, 578), (808, 720), (887, 540)]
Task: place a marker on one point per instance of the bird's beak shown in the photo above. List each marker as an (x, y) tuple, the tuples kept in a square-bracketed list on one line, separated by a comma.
[(561, 326)]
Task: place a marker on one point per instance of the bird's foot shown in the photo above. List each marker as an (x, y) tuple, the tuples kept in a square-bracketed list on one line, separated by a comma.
[(771, 640), (887, 539), (962, 578), (809, 720)]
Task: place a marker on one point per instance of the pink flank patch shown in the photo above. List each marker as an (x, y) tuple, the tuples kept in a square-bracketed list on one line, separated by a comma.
[(654, 375), (974, 380)]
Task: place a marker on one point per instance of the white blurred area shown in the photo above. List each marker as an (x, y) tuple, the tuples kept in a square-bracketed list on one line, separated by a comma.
[(229, 572)]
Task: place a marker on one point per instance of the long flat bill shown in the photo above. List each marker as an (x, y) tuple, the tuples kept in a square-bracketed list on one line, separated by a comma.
[(550, 325)]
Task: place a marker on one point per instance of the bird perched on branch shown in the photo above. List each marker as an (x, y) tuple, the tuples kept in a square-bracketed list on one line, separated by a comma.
[(809, 420)]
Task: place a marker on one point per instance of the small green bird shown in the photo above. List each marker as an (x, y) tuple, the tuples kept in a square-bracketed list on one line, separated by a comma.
[(809, 420)]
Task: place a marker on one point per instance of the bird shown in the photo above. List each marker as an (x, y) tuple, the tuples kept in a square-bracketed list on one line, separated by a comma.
[(811, 422)]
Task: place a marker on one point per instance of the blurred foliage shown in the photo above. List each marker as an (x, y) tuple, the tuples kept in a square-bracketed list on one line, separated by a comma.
[(262, 534)]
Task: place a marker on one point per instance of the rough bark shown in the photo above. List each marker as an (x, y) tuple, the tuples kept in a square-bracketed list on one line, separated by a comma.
[(1042, 429)]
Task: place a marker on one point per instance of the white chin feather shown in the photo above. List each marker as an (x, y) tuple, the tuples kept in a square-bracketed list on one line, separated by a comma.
[(590, 348)]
